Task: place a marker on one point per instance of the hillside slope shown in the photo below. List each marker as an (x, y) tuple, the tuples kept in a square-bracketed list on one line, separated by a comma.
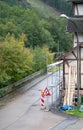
[(22, 3), (43, 9), (62, 6)]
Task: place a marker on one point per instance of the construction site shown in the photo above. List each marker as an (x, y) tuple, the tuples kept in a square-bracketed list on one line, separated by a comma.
[(72, 90)]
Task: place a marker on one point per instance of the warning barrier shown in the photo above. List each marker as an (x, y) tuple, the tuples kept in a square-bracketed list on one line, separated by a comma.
[(42, 100), (47, 92)]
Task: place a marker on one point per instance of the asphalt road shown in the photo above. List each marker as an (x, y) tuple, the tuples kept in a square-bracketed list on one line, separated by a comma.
[(23, 112), (69, 121)]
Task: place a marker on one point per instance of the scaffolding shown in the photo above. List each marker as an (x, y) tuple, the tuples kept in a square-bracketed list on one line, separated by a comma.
[(70, 89)]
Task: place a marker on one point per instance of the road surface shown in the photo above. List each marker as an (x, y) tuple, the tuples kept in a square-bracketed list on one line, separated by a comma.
[(24, 113)]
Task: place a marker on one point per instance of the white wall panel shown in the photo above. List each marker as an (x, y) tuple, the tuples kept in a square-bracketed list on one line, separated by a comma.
[(79, 9)]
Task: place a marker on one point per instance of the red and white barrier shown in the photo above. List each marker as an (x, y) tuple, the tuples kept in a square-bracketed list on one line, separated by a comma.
[(42, 100)]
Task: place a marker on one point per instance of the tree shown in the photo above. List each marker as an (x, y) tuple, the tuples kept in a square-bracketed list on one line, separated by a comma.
[(15, 61), (39, 32), (57, 29), (61, 5), (42, 57)]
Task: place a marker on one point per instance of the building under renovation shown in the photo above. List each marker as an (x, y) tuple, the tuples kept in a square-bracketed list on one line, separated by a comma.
[(73, 60)]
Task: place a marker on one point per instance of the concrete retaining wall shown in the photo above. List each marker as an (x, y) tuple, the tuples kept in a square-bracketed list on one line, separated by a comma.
[(8, 89)]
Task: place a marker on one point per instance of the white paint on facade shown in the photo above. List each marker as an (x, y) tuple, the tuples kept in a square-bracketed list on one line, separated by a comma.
[(78, 9), (80, 39), (82, 54)]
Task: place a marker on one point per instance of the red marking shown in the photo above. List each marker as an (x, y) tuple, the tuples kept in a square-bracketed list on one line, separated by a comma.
[(42, 100), (46, 92)]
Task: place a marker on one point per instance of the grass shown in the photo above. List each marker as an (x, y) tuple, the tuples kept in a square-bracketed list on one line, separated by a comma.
[(54, 69), (74, 112), (43, 9)]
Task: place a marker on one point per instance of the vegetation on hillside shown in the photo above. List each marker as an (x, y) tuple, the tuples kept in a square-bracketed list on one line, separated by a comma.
[(39, 32), (22, 3), (44, 10), (63, 6), (17, 62), (27, 40)]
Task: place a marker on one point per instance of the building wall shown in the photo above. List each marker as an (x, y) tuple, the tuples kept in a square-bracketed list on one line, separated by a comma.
[(73, 62), (82, 68), (80, 39), (78, 9), (70, 63), (81, 74)]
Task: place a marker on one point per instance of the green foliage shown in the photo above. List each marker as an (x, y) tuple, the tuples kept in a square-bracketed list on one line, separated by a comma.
[(20, 28), (57, 29), (75, 112), (19, 21), (22, 3), (42, 57), (39, 32), (44, 10), (62, 6), (17, 62)]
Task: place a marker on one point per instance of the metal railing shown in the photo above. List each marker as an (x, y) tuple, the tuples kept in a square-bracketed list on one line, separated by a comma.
[(10, 88)]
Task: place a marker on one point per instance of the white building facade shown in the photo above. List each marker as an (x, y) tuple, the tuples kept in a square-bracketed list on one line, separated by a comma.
[(70, 74)]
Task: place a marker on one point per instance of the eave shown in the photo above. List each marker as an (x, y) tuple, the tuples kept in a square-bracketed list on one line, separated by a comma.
[(75, 25), (64, 56), (76, 1)]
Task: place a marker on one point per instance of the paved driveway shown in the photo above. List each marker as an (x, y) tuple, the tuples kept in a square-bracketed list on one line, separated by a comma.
[(24, 111), (78, 125)]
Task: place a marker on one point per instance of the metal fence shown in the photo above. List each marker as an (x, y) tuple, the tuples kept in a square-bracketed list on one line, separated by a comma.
[(55, 89)]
